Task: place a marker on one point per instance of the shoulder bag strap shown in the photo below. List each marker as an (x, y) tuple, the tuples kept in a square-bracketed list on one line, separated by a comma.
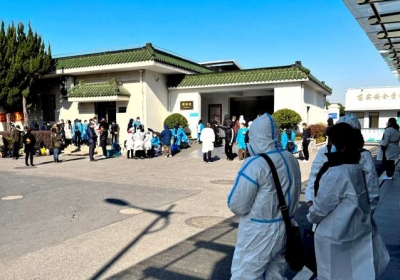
[(282, 203), (321, 172)]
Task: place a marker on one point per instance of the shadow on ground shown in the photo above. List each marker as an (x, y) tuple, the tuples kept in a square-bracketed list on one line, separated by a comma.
[(207, 255), (160, 222)]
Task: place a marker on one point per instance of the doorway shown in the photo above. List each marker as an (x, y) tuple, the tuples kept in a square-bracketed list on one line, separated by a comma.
[(251, 107), (106, 110)]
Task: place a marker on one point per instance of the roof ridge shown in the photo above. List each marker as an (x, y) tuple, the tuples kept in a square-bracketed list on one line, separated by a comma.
[(150, 46), (99, 53), (245, 70)]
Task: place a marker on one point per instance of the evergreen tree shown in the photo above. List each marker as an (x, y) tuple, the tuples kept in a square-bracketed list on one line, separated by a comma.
[(23, 60)]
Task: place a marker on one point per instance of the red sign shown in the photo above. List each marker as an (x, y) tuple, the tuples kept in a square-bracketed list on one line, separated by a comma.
[(3, 117)]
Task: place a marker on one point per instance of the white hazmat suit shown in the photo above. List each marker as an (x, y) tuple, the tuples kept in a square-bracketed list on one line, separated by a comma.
[(207, 137), (366, 163), (261, 240), (347, 243)]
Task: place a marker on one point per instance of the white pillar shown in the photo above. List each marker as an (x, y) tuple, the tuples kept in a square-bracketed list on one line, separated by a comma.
[(334, 112)]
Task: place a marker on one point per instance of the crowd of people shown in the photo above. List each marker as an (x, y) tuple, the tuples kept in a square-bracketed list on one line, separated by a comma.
[(147, 144), (342, 193)]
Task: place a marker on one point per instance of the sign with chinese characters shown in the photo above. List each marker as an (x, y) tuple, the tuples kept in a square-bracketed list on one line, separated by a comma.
[(384, 98), (378, 96), (186, 105)]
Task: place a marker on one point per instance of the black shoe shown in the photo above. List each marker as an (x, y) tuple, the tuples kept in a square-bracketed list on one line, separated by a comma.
[(93, 160), (27, 164), (32, 165)]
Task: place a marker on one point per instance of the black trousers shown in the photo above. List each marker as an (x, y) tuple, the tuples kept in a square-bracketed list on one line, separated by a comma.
[(207, 156), (92, 146), (103, 145), (78, 139), (228, 151), (29, 154), (16, 150), (114, 138), (129, 154), (389, 166), (305, 150)]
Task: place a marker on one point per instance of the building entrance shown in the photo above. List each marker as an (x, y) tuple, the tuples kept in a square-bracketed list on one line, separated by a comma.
[(251, 107), (106, 110)]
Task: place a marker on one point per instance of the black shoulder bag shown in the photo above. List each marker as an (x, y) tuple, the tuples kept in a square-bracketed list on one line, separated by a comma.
[(294, 248)]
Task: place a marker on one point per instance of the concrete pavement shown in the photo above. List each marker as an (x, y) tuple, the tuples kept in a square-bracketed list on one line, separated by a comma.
[(68, 225)]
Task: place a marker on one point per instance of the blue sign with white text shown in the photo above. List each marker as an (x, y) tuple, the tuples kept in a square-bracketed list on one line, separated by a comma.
[(194, 114), (332, 115)]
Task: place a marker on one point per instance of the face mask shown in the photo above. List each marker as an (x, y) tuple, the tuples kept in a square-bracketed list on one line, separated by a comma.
[(333, 149)]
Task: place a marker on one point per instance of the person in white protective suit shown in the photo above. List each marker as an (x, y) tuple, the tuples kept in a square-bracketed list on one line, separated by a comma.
[(347, 243), (366, 163), (390, 148), (261, 239)]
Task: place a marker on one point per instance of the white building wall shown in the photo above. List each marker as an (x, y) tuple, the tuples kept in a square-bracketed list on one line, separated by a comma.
[(384, 100), (86, 110), (156, 100), (316, 100), (192, 116), (384, 116)]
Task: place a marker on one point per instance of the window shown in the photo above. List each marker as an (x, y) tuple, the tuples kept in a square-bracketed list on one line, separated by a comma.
[(360, 116), (373, 119)]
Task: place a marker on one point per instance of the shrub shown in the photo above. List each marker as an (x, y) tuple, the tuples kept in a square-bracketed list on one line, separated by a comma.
[(286, 117), (175, 118), (320, 140), (40, 136), (44, 136), (317, 130)]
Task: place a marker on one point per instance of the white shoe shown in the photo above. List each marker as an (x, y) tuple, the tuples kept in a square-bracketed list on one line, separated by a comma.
[(103, 157), (386, 178), (305, 160), (169, 156)]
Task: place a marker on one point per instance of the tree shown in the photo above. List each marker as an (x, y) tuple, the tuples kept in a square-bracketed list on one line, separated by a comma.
[(23, 60), (286, 117)]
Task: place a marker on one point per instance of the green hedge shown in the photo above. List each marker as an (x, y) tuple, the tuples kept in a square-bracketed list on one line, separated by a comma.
[(175, 118), (40, 136)]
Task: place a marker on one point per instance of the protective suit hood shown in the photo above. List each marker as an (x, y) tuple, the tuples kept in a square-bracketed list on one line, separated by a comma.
[(351, 120), (264, 135)]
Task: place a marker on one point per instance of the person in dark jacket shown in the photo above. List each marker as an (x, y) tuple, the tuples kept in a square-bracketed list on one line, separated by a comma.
[(306, 141), (130, 124), (29, 141), (326, 133), (229, 137), (166, 136), (56, 143), (103, 140), (92, 139), (114, 132), (16, 139)]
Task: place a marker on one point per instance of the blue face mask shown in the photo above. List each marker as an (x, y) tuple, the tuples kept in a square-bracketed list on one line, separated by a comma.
[(333, 149)]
